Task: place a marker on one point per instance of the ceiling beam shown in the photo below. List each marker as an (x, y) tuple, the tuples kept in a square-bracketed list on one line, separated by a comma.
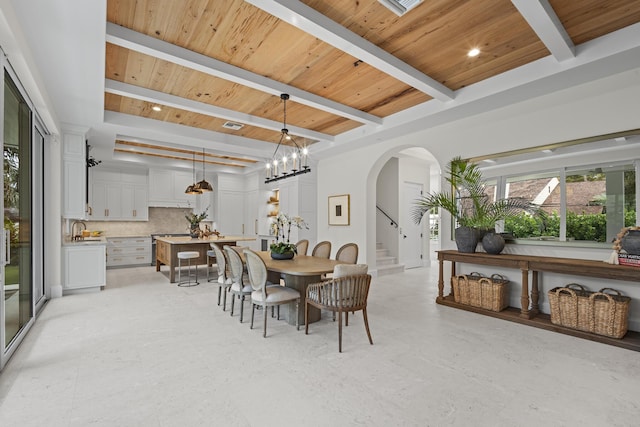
[(151, 46), (157, 97), (318, 25), (187, 136), (543, 20)]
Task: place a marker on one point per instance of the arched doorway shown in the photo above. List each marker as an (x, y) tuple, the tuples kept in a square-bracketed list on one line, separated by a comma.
[(398, 178)]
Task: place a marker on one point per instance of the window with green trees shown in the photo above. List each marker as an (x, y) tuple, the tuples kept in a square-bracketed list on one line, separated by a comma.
[(580, 203)]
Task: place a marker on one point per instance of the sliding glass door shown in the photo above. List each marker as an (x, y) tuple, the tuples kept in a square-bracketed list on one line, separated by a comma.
[(16, 239)]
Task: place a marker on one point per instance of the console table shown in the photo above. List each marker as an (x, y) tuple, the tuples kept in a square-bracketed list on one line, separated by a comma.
[(529, 312)]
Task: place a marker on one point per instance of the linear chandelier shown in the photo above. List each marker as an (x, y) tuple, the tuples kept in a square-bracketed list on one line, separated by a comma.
[(277, 169)]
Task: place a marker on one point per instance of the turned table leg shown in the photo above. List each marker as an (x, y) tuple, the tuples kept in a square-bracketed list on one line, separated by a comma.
[(440, 279), (453, 274), (524, 298), (534, 293)]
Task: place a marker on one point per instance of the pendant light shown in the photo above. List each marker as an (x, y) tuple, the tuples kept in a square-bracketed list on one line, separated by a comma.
[(277, 168), (203, 186), (192, 188)]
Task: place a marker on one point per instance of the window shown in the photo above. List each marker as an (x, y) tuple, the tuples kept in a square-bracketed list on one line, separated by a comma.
[(586, 188), (541, 189)]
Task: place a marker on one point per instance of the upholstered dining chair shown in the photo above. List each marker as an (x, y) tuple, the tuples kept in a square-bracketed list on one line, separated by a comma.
[(302, 246), (322, 250), (240, 287), (348, 253), (267, 296), (224, 277), (346, 291)]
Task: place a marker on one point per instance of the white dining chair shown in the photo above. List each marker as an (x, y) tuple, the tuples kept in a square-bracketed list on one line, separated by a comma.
[(224, 278), (240, 287), (267, 296)]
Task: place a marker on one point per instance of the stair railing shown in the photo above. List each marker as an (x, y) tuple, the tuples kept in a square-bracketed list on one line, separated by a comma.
[(393, 222)]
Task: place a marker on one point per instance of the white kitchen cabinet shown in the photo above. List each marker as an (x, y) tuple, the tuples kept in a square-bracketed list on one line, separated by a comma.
[(166, 189), (118, 196), (133, 202), (126, 251), (84, 266), (74, 167), (181, 181), (230, 214), (98, 201), (251, 221)]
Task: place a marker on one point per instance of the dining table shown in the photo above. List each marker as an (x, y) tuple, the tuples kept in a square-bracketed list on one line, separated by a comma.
[(298, 273)]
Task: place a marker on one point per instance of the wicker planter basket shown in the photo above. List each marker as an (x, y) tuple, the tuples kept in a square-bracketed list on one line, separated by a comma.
[(605, 312), (490, 293)]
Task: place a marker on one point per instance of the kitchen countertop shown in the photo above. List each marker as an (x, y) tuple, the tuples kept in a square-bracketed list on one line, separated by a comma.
[(129, 236), (85, 241), (183, 240)]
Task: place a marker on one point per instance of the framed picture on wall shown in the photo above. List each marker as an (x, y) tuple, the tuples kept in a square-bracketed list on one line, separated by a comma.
[(339, 210)]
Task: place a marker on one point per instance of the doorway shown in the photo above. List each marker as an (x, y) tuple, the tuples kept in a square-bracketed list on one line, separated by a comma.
[(411, 235), (23, 144)]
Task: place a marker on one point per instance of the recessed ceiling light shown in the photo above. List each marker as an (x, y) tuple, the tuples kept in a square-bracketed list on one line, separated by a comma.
[(156, 108), (473, 52)]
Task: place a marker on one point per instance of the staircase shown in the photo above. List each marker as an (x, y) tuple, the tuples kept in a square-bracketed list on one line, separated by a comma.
[(386, 264)]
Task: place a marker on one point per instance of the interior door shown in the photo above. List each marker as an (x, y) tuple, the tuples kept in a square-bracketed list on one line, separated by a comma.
[(411, 233)]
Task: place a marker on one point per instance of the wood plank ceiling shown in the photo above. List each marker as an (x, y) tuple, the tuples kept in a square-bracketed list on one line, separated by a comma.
[(206, 62)]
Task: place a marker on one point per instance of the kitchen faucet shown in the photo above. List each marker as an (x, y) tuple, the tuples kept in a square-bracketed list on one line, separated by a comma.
[(74, 235)]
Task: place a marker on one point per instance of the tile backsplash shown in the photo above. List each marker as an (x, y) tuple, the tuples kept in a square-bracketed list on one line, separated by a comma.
[(161, 220)]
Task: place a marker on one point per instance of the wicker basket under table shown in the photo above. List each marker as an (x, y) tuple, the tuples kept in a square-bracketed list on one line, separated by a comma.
[(605, 312), (490, 293)]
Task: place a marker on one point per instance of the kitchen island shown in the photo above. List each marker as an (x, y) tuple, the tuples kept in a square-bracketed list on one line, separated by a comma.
[(167, 249)]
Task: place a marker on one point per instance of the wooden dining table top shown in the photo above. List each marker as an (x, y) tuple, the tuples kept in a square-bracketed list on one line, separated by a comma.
[(300, 265)]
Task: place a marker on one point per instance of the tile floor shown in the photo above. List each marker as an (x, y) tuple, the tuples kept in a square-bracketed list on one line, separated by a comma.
[(148, 353)]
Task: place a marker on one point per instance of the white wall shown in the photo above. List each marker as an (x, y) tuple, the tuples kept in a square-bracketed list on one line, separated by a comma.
[(605, 106), (387, 198)]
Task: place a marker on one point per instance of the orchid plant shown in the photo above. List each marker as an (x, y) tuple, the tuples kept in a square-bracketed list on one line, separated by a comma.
[(281, 228)]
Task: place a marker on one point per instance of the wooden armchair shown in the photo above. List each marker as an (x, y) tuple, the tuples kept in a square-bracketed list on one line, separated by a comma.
[(347, 291)]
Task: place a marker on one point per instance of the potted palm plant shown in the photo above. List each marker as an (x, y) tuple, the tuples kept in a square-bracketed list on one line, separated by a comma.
[(470, 206)]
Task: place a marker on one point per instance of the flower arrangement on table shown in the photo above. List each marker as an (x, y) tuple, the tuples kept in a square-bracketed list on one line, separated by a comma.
[(281, 228), (194, 221)]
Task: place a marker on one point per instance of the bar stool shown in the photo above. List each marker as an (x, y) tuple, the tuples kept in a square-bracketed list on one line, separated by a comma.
[(211, 254), (188, 256)]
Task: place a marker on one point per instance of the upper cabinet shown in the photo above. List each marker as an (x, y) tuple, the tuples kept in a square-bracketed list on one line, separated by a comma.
[(74, 170), (118, 195), (166, 189)]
